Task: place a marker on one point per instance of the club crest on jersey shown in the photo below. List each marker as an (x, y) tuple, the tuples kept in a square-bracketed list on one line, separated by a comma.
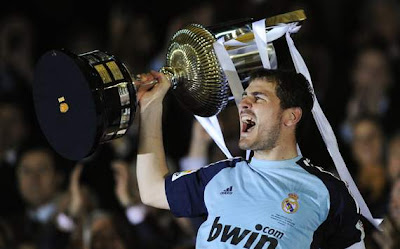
[(290, 204), (182, 173)]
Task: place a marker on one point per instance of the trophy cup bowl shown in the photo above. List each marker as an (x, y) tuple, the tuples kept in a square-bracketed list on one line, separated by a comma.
[(85, 100)]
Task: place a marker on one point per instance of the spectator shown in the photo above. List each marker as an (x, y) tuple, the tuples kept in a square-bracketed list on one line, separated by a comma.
[(373, 82), (14, 130), (384, 28), (39, 180), (131, 37), (16, 52), (150, 228), (368, 153)]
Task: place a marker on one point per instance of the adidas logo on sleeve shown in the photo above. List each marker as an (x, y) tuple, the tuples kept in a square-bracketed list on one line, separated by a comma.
[(227, 191)]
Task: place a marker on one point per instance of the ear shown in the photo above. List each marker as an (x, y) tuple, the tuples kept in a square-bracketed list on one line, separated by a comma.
[(292, 116)]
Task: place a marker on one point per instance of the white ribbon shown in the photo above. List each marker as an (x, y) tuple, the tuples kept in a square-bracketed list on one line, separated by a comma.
[(261, 40), (326, 130), (230, 71)]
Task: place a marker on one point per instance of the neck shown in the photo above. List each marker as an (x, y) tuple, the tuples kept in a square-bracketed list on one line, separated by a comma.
[(283, 150)]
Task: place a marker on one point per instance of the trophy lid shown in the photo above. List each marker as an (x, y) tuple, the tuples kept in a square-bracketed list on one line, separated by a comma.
[(64, 105)]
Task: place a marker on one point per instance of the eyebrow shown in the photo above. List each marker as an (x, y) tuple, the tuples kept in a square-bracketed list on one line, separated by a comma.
[(255, 94)]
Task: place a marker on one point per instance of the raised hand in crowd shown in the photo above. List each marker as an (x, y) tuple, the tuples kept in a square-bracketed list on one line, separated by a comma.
[(125, 190), (389, 238), (198, 153), (78, 200), (200, 141)]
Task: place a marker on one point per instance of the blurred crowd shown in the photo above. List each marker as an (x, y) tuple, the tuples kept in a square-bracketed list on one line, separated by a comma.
[(352, 49)]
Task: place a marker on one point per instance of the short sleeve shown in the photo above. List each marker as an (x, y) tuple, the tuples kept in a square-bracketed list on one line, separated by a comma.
[(185, 190), (343, 226)]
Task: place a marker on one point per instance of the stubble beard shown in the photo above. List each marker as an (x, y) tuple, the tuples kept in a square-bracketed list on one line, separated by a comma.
[(267, 140)]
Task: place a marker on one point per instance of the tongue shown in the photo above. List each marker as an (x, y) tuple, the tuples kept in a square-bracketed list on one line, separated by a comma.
[(244, 127), (248, 126)]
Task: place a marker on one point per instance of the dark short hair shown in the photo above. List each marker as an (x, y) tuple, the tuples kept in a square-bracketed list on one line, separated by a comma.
[(59, 164), (26, 149), (292, 88), (374, 119)]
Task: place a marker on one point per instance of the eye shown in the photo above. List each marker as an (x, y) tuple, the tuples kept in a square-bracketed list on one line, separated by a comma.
[(258, 98)]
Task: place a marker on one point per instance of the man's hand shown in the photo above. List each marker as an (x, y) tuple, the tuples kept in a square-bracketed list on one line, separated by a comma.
[(199, 142), (123, 183), (152, 95), (76, 201), (389, 237)]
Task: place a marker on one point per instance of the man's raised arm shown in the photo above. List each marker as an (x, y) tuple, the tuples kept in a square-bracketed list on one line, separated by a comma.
[(151, 162)]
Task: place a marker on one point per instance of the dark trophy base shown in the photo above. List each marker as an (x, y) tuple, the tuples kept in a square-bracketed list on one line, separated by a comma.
[(82, 100)]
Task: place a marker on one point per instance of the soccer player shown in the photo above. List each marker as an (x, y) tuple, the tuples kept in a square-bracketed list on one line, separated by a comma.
[(278, 199)]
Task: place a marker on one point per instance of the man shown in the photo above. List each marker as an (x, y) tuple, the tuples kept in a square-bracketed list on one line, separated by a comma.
[(39, 180), (276, 200), (14, 130)]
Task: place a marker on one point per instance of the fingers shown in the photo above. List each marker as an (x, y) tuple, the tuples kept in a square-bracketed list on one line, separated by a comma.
[(144, 82), (119, 167), (146, 77), (379, 238), (151, 83), (75, 205), (154, 95), (121, 173), (161, 78), (122, 182), (75, 176), (199, 133)]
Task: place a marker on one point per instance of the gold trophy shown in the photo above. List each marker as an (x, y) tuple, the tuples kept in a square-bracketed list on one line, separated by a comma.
[(84, 100)]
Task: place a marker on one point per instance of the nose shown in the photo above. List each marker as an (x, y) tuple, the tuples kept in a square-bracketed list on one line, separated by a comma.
[(245, 103)]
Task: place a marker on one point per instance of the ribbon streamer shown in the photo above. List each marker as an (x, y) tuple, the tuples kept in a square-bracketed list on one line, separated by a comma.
[(326, 130), (261, 40)]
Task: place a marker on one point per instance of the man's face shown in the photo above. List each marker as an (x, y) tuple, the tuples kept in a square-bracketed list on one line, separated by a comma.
[(371, 72), (260, 116), (367, 143), (37, 178)]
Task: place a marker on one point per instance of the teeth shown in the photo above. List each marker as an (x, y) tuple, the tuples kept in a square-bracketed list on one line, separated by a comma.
[(247, 120), (248, 123)]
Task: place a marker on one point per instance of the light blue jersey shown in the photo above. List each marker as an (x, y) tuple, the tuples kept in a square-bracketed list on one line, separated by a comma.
[(266, 204)]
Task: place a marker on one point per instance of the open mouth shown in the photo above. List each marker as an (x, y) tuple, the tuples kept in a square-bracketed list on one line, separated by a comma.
[(247, 124)]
